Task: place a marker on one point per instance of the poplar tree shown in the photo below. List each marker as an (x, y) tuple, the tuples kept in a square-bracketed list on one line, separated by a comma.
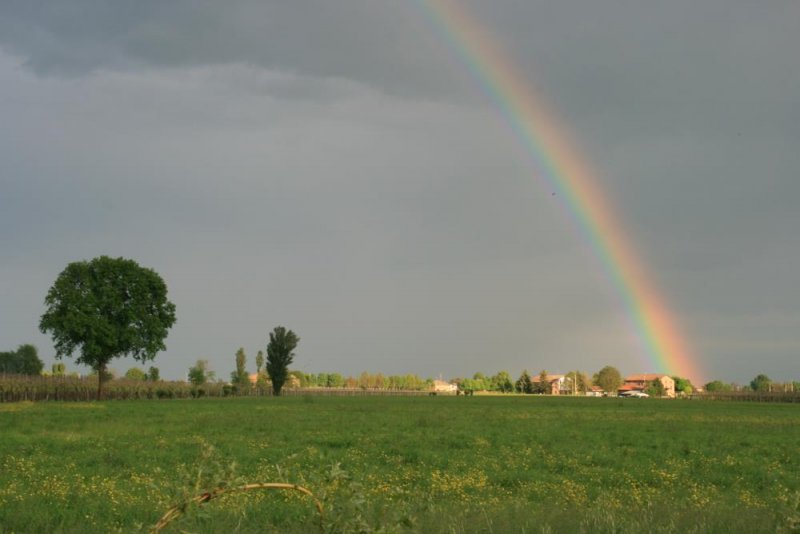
[(239, 376), (280, 355)]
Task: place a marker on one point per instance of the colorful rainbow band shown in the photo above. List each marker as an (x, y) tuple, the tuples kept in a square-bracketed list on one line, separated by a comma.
[(554, 156)]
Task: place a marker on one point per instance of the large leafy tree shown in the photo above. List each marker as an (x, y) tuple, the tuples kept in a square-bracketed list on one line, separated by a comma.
[(609, 379), (107, 308), (282, 343)]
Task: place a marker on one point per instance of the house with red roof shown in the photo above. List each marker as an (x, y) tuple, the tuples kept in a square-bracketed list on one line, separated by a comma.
[(559, 385), (642, 381)]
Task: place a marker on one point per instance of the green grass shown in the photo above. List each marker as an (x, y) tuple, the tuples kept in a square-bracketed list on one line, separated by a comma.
[(441, 464)]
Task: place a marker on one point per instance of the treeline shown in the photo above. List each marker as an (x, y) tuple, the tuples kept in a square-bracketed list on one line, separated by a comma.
[(365, 380), (22, 378), (760, 384)]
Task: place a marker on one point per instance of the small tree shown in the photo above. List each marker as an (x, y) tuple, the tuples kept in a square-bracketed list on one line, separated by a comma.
[(524, 383), (718, 385), (59, 369), (199, 374), (335, 380), (280, 355), (609, 379), (760, 383), (134, 373), (153, 374), (107, 308), (578, 382), (502, 382), (259, 362), (542, 386), (682, 385), (240, 377), (655, 388)]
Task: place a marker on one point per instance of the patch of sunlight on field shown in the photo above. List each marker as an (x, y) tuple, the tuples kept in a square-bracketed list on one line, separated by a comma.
[(16, 406)]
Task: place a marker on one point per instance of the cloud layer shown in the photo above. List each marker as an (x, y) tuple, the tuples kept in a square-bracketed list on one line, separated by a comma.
[(334, 169)]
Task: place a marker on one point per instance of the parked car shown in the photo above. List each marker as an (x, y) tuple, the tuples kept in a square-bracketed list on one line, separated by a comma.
[(635, 394)]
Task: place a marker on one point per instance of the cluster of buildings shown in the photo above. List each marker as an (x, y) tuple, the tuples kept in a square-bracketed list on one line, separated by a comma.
[(634, 385)]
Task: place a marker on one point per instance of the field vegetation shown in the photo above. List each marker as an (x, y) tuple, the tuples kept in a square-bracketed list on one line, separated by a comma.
[(426, 464)]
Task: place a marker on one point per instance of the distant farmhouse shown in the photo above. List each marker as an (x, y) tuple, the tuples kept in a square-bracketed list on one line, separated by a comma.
[(440, 386), (559, 385), (639, 383)]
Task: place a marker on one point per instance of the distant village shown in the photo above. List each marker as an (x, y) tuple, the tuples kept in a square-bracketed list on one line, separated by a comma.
[(557, 384)]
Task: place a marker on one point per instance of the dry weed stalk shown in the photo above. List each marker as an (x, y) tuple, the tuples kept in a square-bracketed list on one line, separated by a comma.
[(177, 510)]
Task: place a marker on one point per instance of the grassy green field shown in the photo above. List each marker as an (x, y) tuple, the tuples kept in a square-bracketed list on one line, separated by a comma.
[(440, 464)]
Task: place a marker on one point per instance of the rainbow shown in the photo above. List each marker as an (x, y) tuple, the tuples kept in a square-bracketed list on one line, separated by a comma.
[(553, 154)]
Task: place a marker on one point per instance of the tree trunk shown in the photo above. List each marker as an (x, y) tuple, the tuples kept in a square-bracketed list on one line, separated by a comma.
[(101, 373)]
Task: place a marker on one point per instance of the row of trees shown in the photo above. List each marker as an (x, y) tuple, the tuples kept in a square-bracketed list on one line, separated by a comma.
[(761, 384), (201, 373), (280, 354)]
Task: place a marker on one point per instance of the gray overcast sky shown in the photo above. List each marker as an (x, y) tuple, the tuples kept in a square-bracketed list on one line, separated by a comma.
[(331, 167)]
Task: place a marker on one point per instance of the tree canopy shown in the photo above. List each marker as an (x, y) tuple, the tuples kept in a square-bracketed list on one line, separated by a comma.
[(578, 382), (24, 361), (717, 385), (760, 383), (542, 385), (135, 373), (608, 378), (199, 374), (239, 377), (524, 383), (683, 385), (502, 382), (655, 388), (280, 355), (107, 308)]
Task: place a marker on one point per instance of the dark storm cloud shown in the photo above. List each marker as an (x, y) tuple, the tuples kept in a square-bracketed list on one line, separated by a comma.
[(374, 42)]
